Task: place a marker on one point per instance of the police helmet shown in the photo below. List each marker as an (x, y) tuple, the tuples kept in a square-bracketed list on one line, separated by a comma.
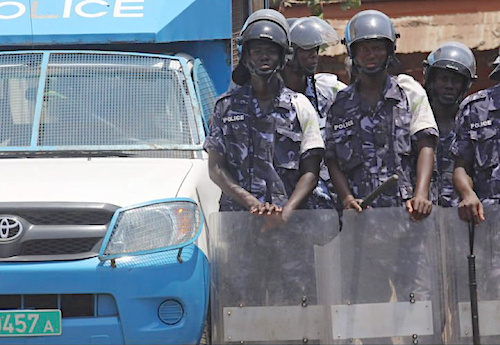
[(497, 60), (370, 24), (453, 56), (495, 74), (270, 16), (267, 25), (266, 30), (312, 32)]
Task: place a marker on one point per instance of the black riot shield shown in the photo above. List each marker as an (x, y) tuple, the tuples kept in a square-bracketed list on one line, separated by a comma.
[(264, 282)]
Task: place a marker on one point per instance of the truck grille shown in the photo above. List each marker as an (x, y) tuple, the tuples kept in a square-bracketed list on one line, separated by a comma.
[(54, 231), (58, 217), (71, 305), (59, 246)]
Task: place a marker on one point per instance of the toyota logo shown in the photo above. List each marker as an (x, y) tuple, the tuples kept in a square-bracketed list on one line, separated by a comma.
[(10, 228)]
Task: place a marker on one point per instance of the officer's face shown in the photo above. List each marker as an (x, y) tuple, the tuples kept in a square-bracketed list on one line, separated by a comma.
[(371, 54), (264, 56), (447, 86), (308, 59)]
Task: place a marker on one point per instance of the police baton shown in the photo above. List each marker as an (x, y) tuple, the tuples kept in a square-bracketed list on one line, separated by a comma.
[(473, 287), (379, 190)]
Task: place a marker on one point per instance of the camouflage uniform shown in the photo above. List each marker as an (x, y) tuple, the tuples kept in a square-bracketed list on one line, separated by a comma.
[(370, 145), (322, 95), (447, 197), (477, 141), (263, 151)]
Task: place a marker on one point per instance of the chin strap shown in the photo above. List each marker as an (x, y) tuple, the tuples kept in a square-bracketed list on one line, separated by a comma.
[(266, 75)]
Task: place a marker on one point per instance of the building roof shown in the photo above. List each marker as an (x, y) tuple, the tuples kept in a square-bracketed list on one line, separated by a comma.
[(478, 30)]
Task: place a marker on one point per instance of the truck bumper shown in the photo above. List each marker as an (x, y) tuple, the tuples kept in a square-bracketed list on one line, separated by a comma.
[(102, 304)]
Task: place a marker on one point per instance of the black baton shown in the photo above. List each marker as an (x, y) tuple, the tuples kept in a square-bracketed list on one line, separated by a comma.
[(476, 340), (379, 190)]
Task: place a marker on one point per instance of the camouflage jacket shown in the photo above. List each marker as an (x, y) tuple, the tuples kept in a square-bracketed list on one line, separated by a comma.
[(477, 141), (447, 197), (322, 95), (372, 144), (263, 151)]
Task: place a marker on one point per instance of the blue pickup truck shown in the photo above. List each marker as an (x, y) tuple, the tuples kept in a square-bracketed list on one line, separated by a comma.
[(104, 106)]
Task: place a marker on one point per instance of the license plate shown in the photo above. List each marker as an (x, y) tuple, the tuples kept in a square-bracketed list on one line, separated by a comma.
[(30, 322)]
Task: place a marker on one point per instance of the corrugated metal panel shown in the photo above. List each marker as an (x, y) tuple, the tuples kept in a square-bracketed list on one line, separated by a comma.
[(480, 30), (240, 12)]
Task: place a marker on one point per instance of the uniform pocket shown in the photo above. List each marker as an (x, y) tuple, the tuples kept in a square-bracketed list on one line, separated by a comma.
[(486, 148), (402, 139), (287, 149), (348, 148)]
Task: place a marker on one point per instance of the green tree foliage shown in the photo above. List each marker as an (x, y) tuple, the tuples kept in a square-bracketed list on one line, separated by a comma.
[(316, 6)]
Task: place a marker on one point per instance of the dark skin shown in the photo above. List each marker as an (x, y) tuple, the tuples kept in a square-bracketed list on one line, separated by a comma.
[(293, 73), (470, 208), (446, 88), (265, 56), (372, 54)]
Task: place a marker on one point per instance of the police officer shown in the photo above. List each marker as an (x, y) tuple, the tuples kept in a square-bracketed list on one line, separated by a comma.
[(476, 149), (307, 35), (448, 74), (380, 125), (264, 144)]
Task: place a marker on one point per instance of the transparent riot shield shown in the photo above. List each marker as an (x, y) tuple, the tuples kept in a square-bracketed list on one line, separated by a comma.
[(381, 280), (487, 261), (264, 281)]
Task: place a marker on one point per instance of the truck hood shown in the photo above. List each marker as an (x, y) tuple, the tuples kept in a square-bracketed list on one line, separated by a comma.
[(119, 181)]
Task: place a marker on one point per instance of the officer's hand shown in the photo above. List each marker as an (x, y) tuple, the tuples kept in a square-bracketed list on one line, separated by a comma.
[(271, 213), (471, 209), (272, 221), (418, 207), (350, 202), (267, 208)]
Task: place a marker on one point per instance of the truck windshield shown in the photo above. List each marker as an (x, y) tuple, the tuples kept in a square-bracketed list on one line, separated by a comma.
[(70, 101)]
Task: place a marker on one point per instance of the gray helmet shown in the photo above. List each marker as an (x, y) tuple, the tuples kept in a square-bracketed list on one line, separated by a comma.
[(268, 31), (495, 74), (267, 15), (455, 57), (370, 24), (268, 25), (497, 60), (311, 32)]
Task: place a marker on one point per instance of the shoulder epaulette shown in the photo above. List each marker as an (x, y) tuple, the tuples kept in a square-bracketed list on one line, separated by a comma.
[(344, 93), (480, 95)]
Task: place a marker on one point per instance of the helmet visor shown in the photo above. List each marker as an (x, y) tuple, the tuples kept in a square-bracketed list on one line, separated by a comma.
[(456, 57), (312, 32)]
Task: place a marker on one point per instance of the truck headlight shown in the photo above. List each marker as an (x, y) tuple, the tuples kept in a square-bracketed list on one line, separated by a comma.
[(152, 227)]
